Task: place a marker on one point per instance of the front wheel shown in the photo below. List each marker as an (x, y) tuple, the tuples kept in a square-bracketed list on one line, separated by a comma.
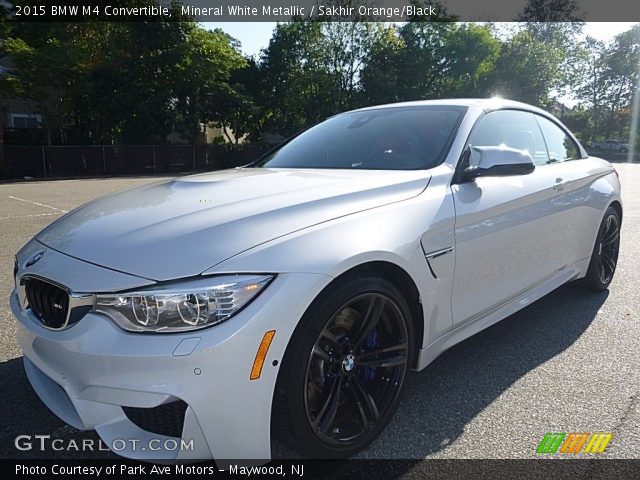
[(345, 369), (604, 258)]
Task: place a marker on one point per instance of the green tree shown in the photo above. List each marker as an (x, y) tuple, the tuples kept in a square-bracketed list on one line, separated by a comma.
[(204, 85), (557, 24), (422, 59), (527, 69), (241, 109), (429, 60), (297, 88), (51, 84), (129, 82), (620, 78), (470, 54), (380, 78), (312, 70), (590, 91)]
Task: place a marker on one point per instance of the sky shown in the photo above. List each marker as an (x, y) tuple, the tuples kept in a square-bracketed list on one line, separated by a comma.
[(255, 36)]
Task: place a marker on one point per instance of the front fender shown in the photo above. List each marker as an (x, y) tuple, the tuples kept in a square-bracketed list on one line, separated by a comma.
[(385, 234)]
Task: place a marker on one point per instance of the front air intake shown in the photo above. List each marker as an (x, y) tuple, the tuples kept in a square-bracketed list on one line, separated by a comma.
[(166, 419)]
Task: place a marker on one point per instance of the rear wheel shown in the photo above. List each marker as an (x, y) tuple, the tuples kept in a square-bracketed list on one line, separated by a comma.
[(345, 369), (604, 258)]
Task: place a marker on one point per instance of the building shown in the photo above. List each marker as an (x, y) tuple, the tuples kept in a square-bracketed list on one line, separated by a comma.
[(18, 116)]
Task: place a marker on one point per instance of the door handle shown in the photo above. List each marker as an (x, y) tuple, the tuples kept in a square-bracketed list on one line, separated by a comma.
[(560, 184)]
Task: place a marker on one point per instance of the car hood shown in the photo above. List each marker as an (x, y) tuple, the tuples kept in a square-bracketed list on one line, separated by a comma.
[(182, 227)]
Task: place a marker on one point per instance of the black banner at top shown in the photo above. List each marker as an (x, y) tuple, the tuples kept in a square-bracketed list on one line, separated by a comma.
[(325, 10)]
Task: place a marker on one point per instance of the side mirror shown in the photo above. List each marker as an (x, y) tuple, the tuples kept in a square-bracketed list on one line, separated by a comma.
[(497, 161)]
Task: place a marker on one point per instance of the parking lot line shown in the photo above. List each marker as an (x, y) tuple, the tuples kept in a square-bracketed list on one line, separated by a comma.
[(38, 204), (7, 217)]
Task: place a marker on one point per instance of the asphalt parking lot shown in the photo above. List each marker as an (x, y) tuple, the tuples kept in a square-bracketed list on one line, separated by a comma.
[(568, 363)]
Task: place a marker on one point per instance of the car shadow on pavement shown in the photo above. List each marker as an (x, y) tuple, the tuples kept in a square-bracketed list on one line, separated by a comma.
[(463, 381)]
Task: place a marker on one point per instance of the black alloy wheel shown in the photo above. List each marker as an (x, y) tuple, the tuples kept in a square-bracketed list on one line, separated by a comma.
[(356, 368), (608, 248), (604, 258), (345, 369)]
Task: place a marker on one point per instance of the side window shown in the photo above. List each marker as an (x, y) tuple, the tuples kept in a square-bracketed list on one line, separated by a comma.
[(560, 145), (511, 128)]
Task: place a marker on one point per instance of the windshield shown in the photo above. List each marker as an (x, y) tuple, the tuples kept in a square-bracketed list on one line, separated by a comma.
[(397, 138)]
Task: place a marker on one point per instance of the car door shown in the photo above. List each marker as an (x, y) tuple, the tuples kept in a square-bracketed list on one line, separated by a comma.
[(507, 228), (573, 178)]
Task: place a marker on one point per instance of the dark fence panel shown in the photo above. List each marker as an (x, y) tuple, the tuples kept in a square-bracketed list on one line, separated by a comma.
[(19, 162), (129, 160), (74, 161), (175, 159), (229, 156)]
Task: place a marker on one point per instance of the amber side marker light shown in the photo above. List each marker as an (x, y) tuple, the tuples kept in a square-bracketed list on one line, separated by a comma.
[(261, 355)]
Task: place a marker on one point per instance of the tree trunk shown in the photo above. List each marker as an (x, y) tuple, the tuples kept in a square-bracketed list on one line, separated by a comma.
[(225, 132)]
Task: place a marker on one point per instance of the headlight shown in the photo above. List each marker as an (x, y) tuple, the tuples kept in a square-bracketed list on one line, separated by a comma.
[(185, 306)]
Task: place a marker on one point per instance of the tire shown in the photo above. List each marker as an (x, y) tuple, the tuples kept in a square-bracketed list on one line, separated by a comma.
[(334, 394), (604, 257)]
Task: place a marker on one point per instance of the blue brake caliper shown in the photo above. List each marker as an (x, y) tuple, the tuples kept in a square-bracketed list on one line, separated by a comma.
[(372, 342)]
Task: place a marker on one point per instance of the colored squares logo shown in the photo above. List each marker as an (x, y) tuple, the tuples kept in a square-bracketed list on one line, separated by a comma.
[(574, 443)]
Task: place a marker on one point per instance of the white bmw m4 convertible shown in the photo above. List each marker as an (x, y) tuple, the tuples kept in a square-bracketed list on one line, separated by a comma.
[(290, 297)]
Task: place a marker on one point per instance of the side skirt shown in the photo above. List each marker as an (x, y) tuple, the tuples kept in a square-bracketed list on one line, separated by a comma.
[(484, 320)]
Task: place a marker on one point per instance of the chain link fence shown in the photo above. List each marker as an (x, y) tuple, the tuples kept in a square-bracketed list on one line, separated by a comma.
[(20, 162)]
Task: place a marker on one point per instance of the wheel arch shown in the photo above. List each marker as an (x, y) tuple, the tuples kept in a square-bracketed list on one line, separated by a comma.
[(618, 206), (401, 278), (396, 275)]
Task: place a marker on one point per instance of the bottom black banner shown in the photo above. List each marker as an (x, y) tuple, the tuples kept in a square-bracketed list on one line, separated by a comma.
[(338, 469)]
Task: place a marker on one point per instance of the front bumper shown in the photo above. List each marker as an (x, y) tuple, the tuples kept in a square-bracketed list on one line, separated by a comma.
[(88, 372)]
